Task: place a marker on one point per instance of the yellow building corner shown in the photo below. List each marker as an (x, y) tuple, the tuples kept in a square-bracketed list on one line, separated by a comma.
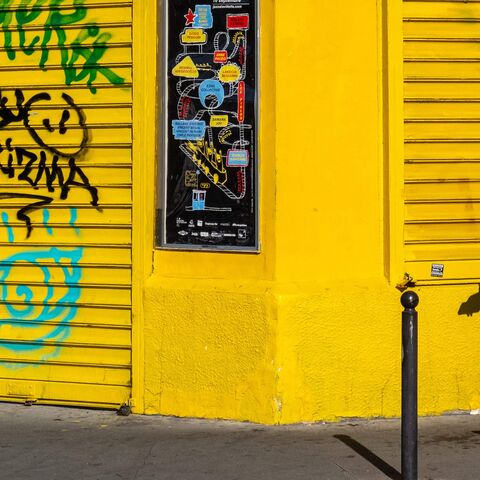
[(368, 183), (309, 329)]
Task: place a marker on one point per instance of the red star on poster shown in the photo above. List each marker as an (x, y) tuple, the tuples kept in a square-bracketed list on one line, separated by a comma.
[(190, 16)]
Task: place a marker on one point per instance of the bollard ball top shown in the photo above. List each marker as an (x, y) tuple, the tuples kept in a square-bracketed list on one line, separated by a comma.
[(409, 299)]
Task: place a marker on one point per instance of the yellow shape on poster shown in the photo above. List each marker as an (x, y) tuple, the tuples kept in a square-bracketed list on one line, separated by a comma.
[(229, 73), (194, 35), (219, 120), (186, 68)]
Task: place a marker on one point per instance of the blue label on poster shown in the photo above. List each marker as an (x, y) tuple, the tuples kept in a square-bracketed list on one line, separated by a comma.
[(211, 87), (203, 16), (188, 129), (237, 158)]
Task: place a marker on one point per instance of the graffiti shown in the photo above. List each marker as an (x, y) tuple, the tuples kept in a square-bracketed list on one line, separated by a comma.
[(9, 228), (61, 141), (79, 57), (46, 219), (45, 311), (26, 109), (73, 219), (44, 142), (33, 202)]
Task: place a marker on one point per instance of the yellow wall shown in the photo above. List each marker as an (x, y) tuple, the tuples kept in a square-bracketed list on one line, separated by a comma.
[(309, 329)]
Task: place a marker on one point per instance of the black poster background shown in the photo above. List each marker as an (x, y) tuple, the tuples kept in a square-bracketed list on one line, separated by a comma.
[(227, 218)]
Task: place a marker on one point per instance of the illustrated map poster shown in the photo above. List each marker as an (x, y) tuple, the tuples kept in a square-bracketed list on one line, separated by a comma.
[(210, 165)]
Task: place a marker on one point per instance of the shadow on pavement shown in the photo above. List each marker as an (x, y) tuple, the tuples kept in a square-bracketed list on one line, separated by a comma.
[(368, 455)]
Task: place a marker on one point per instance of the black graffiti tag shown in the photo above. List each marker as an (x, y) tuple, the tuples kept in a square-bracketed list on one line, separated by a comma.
[(24, 112), (34, 202), (54, 166)]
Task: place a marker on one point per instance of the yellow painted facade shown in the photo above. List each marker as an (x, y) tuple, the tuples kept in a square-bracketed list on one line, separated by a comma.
[(308, 329)]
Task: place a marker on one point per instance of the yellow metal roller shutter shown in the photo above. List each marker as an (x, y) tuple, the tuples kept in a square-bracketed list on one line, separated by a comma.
[(65, 201), (442, 139)]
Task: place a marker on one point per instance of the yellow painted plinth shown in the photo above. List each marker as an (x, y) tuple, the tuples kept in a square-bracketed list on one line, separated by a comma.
[(294, 353), (210, 350)]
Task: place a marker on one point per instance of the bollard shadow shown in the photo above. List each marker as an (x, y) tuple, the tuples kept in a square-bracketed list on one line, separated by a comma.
[(471, 306), (368, 455)]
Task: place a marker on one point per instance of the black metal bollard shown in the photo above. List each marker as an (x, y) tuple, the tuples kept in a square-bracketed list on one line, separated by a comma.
[(409, 386)]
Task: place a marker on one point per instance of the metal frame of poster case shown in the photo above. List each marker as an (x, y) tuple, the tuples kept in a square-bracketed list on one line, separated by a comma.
[(164, 144)]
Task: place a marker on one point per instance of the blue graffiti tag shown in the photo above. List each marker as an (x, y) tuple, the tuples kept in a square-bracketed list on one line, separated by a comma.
[(9, 228), (46, 219), (31, 312), (73, 219)]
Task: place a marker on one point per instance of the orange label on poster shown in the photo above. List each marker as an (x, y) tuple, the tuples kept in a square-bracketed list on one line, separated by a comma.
[(241, 101), (220, 56)]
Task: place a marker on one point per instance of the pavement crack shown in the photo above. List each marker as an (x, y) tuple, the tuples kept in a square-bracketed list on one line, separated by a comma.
[(346, 472), (144, 463)]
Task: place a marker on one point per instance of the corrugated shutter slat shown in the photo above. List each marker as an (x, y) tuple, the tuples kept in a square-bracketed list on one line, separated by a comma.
[(65, 321), (442, 138)]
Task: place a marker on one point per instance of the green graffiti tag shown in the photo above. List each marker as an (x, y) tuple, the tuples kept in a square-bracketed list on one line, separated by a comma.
[(79, 58)]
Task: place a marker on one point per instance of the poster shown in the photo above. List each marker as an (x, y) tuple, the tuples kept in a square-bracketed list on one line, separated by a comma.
[(210, 107)]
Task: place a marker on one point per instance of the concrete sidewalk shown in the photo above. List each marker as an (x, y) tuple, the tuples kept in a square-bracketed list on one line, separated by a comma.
[(65, 443)]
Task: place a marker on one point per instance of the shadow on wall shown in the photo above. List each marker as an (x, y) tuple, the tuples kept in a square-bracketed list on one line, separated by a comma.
[(471, 306)]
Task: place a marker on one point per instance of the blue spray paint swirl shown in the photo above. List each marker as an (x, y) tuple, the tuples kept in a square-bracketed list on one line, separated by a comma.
[(31, 312)]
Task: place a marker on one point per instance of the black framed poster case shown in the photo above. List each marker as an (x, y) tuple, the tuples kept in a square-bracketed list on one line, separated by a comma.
[(210, 116)]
